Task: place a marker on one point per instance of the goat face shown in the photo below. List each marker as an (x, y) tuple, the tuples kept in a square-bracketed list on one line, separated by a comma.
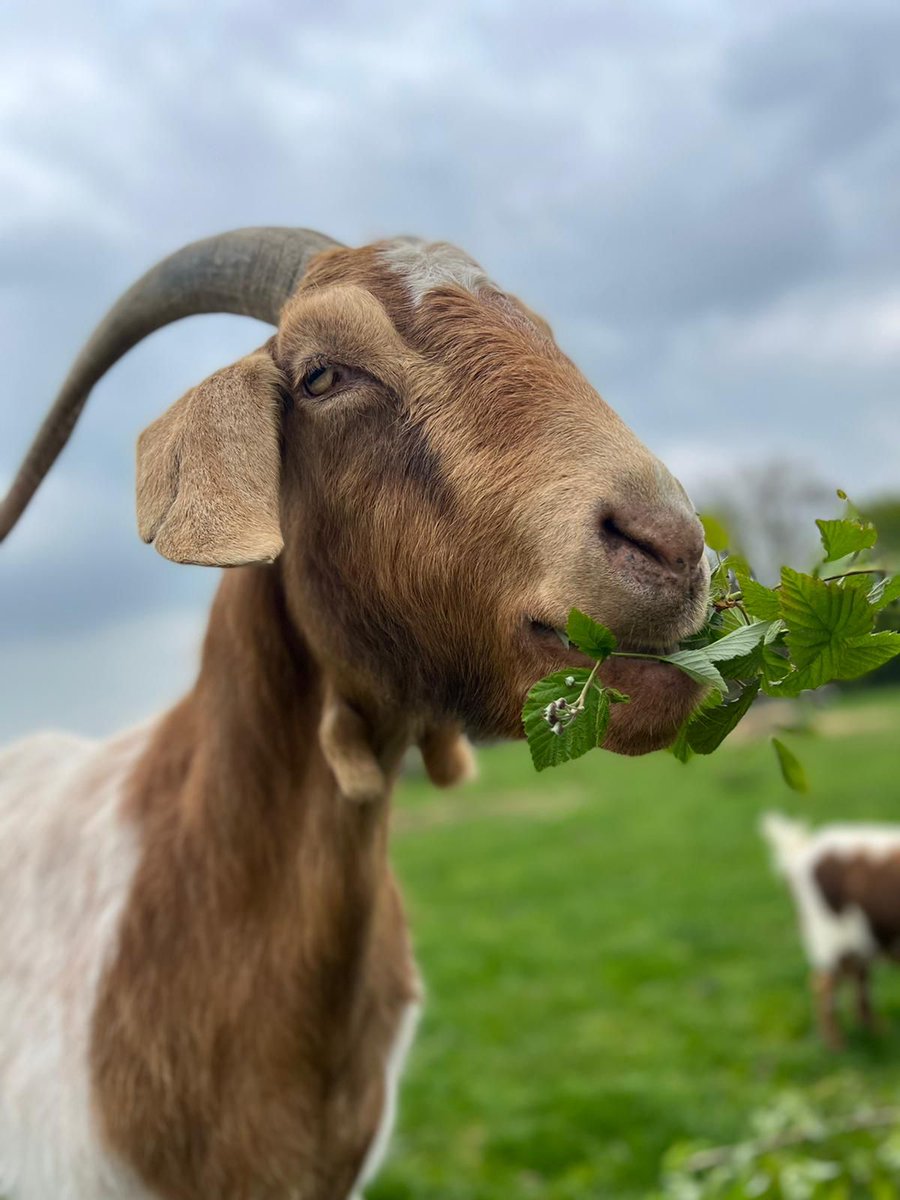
[(441, 485)]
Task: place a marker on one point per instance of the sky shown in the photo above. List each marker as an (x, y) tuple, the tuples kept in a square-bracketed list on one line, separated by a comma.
[(703, 198)]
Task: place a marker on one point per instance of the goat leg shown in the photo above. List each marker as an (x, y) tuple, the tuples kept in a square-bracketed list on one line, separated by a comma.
[(824, 986), (862, 977)]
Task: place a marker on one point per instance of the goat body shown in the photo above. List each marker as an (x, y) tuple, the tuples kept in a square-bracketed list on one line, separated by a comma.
[(203, 946), (845, 881), (206, 983)]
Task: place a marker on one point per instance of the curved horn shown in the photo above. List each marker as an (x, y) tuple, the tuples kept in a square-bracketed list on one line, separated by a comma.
[(251, 272)]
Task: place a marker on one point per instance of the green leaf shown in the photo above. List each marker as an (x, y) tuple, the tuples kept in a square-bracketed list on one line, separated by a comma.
[(710, 727), (697, 664), (549, 749), (714, 532), (740, 642), (760, 601), (590, 637), (801, 680), (861, 655), (841, 538), (720, 579), (855, 657), (820, 616), (791, 768), (680, 747), (885, 592), (773, 668)]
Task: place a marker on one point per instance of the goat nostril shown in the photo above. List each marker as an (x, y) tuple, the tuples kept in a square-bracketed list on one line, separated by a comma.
[(615, 536), (671, 538)]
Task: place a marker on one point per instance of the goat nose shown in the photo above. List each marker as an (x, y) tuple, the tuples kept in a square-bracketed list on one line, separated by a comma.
[(670, 536)]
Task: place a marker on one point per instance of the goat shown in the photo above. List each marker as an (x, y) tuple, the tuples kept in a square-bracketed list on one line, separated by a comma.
[(845, 881), (206, 983)]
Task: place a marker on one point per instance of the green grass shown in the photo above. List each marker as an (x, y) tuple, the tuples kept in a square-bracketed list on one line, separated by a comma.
[(612, 967)]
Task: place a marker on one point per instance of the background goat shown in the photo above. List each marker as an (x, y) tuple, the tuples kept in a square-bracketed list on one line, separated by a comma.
[(845, 881), (206, 986)]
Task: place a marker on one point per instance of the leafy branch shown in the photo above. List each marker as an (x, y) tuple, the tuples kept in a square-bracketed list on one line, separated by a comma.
[(808, 631), (714, 1156)]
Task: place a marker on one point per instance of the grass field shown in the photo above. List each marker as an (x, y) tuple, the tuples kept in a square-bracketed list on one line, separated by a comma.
[(612, 966)]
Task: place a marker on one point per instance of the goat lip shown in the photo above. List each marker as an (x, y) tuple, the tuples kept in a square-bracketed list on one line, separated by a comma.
[(661, 696), (652, 649), (648, 673)]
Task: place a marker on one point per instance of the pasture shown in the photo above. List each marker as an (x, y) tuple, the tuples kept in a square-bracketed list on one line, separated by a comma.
[(612, 966)]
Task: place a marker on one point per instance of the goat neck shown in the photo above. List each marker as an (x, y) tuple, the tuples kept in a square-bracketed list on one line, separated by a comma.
[(263, 919)]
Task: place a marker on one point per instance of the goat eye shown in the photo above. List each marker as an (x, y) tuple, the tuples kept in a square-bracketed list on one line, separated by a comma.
[(320, 380)]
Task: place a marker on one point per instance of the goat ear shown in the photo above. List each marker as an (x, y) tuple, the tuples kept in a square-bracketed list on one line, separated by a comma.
[(208, 470)]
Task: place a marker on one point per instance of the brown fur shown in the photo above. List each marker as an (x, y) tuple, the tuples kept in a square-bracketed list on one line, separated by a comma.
[(446, 497), (870, 883), (241, 1034)]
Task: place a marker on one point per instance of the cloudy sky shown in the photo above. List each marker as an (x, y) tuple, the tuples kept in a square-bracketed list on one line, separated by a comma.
[(702, 196)]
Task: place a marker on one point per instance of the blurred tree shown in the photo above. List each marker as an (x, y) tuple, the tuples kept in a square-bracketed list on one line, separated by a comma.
[(770, 510), (884, 512)]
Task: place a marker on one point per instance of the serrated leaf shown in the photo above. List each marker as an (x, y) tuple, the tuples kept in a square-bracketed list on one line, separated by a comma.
[(745, 668), (740, 642), (725, 573), (841, 538), (791, 768), (714, 533), (680, 748), (697, 664), (775, 665), (760, 601), (709, 727), (855, 657), (820, 617), (774, 633), (885, 592), (549, 749), (868, 653), (803, 679), (729, 620), (589, 636)]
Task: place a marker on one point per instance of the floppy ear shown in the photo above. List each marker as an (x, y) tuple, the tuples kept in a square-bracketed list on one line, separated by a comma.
[(208, 470)]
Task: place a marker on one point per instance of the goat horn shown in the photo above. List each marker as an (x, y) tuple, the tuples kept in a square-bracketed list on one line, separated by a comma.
[(251, 272)]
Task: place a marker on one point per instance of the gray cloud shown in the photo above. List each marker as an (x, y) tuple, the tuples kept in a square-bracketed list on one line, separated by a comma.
[(703, 198)]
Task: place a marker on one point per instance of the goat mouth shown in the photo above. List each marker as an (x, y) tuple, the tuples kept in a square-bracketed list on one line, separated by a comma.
[(661, 695), (546, 633), (555, 635)]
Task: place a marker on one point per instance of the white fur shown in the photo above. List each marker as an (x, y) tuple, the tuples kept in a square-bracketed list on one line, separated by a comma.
[(827, 936), (428, 265), (403, 1041), (67, 859)]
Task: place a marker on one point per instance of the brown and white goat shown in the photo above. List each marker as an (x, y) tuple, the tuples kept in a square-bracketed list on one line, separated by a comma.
[(206, 985), (845, 881)]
